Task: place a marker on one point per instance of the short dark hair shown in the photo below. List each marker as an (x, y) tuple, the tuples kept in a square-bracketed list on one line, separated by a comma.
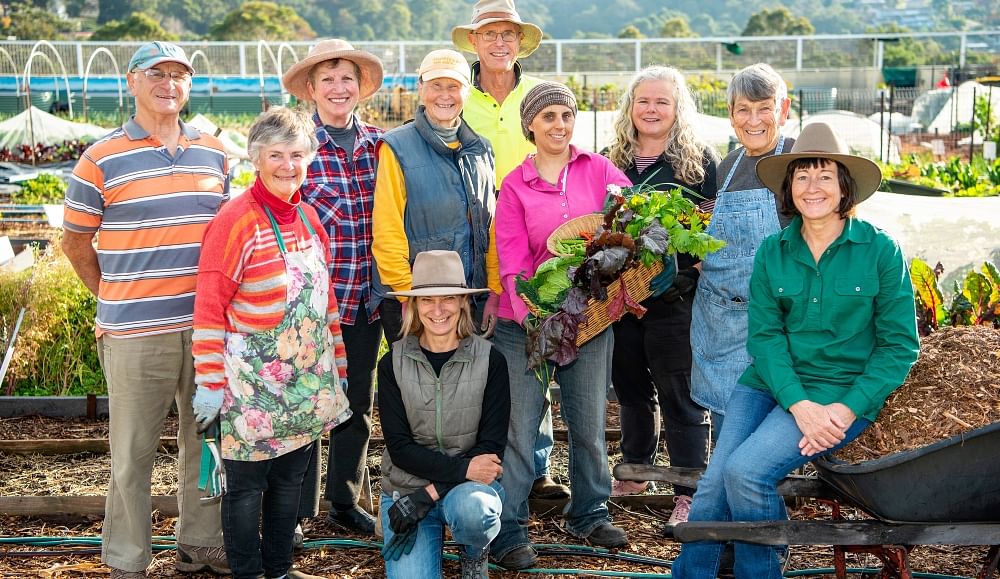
[(848, 186)]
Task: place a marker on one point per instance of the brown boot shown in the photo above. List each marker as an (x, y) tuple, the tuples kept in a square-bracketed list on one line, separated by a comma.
[(546, 488)]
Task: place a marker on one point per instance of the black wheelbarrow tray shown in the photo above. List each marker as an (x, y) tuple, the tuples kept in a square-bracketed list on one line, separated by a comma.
[(945, 493), (956, 480)]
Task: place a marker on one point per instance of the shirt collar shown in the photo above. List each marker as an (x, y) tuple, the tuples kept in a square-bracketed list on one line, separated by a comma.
[(135, 132), (531, 173), (475, 75), (323, 136), (852, 233)]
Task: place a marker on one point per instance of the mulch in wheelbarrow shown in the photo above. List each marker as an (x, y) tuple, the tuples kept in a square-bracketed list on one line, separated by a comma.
[(953, 388)]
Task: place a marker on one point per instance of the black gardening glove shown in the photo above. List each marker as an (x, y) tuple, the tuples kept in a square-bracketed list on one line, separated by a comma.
[(401, 544), (684, 284), (405, 513)]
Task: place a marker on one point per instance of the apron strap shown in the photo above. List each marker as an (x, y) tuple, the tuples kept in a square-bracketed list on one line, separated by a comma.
[(277, 232), (729, 177)]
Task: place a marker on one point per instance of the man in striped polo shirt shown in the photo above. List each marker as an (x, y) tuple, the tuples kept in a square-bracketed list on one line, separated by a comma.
[(147, 191)]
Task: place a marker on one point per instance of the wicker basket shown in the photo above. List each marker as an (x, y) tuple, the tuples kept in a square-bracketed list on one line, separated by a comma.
[(573, 228), (636, 282)]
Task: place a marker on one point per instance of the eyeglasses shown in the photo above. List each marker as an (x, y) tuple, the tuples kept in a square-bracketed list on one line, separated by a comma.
[(157, 75), (506, 35)]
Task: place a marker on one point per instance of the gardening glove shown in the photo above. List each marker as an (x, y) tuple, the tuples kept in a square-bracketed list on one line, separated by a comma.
[(663, 280), (490, 314), (207, 404), (684, 284), (401, 544), (405, 513)]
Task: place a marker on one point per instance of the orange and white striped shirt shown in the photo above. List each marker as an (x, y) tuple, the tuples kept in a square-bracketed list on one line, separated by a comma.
[(149, 210)]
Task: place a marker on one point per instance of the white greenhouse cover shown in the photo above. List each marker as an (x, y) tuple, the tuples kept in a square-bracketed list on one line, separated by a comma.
[(47, 129)]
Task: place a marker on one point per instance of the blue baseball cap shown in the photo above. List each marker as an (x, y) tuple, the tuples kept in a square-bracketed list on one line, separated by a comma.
[(153, 53)]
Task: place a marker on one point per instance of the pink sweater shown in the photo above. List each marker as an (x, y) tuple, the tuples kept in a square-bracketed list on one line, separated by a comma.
[(530, 208)]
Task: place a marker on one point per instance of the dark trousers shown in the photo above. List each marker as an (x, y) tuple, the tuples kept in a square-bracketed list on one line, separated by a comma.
[(348, 450), (258, 512), (651, 374)]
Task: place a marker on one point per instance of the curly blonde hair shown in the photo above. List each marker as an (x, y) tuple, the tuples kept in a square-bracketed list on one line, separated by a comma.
[(684, 150)]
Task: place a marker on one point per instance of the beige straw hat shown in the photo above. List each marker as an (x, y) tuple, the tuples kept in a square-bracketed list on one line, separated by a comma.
[(490, 11), (297, 76)]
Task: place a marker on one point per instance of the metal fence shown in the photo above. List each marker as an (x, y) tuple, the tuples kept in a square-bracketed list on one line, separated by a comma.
[(557, 57)]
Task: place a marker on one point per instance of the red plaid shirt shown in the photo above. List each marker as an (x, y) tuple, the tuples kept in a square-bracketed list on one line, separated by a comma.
[(342, 190)]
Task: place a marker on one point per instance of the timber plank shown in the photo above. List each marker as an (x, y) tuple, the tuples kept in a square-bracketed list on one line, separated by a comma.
[(840, 533)]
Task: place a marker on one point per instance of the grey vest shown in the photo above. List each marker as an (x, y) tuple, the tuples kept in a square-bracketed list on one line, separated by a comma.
[(450, 200), (444, 411)]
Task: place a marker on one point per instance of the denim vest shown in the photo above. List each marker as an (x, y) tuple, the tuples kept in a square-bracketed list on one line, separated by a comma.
[(449, 193), (719, 313), (443, 411)]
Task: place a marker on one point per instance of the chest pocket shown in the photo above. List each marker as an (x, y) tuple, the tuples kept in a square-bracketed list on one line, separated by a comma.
[(854, 301), (787, 291), (206, 184)]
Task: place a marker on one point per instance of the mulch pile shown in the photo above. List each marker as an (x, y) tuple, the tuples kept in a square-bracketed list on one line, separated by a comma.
[(953, 388)]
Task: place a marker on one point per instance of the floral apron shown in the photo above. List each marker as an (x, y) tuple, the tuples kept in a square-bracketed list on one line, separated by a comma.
[(284, 389), (719, 313)]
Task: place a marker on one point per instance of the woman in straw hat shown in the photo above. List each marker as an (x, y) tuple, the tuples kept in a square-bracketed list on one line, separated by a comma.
[(554, 185), (444, 406), (340, 185), (832, 334), (435, 191)]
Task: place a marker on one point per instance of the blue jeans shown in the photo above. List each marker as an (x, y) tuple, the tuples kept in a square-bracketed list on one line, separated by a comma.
[(269, 488), (758, 446), (471, 511), (543, 445), (584, 388)]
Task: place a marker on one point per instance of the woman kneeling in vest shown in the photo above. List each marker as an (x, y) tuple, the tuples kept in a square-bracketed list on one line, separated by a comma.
[(444, 405)]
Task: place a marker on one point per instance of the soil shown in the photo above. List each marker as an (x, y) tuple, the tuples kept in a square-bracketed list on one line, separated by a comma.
[(87, 474), (953, 388)]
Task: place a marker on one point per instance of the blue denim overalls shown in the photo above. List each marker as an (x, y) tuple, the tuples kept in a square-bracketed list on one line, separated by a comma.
[(719, 316)]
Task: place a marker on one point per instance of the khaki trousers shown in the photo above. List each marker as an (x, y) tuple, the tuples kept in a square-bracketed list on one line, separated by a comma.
[(145, 375)]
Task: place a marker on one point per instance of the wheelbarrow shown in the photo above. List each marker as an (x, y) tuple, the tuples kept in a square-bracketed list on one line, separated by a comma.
[(946, 493)]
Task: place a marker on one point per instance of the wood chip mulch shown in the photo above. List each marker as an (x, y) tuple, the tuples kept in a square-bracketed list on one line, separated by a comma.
[(953, 388)]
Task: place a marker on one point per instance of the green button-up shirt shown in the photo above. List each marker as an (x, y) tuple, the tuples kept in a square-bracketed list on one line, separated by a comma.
[(842, 330), (500, 123)]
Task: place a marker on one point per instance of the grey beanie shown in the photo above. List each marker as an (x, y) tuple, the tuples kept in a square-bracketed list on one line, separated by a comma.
[(541, 96)]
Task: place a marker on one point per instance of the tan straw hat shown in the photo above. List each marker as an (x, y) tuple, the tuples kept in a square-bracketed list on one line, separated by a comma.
[(438, 273), (818, 140), (298, 74), (490, 11)]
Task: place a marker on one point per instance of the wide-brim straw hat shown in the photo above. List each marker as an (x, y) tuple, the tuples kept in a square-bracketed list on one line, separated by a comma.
[(818, 140), (490, 11), (297, 76), (438, 273)]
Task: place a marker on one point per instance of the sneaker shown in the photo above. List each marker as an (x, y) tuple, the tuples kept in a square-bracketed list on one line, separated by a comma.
[(191, 558), (608, 535), (353, 519), (546, 488), (119, 574), (298, 538), (474, 568), (296, 574), (620, 488), (682, 508), (521, 557)]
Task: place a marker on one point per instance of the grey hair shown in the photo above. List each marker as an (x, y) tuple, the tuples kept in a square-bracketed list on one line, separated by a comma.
[(755, 83), (281, 125)]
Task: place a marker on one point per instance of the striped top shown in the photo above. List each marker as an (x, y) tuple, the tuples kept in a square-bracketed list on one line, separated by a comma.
[(242, 283), (149, 210)]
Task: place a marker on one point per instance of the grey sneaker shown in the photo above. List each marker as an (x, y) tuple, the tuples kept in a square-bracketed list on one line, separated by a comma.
[(119, 574), (191, 558), (477, 568)]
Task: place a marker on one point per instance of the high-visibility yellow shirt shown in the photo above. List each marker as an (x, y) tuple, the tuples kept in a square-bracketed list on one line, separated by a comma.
[(500, 123)]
